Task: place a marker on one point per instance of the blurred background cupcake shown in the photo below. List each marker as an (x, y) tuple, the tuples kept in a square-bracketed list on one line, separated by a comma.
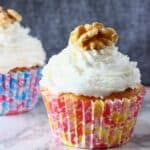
[(21, 59), (92, 92)]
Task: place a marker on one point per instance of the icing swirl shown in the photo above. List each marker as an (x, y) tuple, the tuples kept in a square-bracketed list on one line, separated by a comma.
[(17, 48), (90, 73)]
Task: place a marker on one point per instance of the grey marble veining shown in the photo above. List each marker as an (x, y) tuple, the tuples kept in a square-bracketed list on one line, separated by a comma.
[(30, 131)]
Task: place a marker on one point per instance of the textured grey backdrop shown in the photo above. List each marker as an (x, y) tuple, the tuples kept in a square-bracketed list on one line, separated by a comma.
[(52, 20)]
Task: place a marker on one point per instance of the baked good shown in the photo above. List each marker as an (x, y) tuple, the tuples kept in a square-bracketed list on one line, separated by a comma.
[(21, 59), (92, 92)]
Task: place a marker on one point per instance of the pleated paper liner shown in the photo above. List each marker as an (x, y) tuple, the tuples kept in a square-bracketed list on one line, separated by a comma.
[(92, 123), (19, 91)]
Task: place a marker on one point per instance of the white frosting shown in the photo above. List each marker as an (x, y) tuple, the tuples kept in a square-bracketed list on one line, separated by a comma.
[(19, 49), (90, 73)]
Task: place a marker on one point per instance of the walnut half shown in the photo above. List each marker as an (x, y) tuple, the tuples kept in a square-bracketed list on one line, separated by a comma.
[(93, 36), (8, 17)]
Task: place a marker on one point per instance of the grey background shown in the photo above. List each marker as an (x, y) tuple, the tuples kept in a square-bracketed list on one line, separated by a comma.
[(52, 20)]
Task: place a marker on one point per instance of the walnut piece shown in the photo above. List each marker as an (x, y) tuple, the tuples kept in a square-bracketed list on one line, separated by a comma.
[(8, 17), (93, 36), (15, 15)]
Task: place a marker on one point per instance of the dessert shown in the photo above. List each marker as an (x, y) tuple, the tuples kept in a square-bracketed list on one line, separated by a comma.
[(21, 59), (92, 92)]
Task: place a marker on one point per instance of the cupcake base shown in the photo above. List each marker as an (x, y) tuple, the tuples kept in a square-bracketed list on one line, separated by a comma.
[(92, 123), (19, 91)]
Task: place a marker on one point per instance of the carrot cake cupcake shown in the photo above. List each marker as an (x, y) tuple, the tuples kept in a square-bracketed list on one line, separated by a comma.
[(21, 59), (92, 92)]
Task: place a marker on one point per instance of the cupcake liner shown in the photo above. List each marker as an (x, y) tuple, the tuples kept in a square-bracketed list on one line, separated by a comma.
[(92, 123), (19, 91)]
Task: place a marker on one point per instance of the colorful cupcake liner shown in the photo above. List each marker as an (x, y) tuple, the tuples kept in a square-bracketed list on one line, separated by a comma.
[(19, 91), (92, 124)]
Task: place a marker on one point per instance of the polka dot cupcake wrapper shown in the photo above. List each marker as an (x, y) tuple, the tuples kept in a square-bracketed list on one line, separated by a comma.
[(19, 91), (92, 124)]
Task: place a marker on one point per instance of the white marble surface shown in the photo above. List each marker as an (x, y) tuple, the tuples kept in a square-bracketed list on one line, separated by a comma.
[(30, 131)]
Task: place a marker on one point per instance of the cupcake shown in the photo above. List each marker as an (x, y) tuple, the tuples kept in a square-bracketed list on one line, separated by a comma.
[(21, 59), (92, 92)]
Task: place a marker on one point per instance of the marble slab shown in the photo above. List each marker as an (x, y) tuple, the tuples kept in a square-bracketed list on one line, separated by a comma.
[(30, 131)]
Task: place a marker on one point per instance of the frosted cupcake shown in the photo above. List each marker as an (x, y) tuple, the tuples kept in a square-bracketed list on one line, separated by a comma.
[(21, 59), (92, 92)]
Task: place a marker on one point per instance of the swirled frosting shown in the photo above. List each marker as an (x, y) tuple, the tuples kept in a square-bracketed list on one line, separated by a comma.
[(95, 73), (18, 48)]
